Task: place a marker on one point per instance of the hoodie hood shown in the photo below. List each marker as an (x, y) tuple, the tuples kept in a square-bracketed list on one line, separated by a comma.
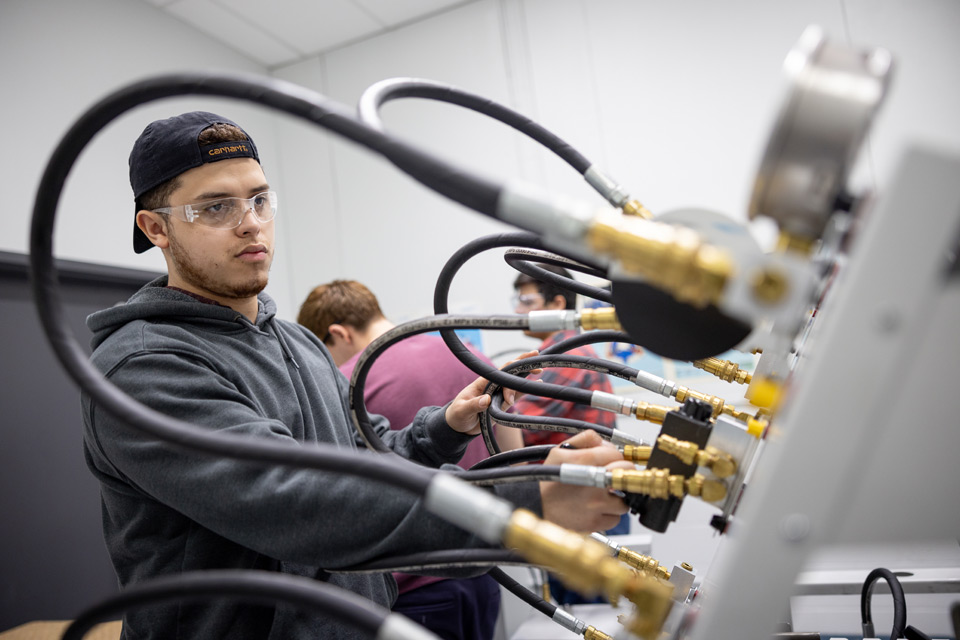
[(154, 301)]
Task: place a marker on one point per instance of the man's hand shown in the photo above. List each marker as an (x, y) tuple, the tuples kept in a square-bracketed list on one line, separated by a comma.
[(583, 509), (461, 414)]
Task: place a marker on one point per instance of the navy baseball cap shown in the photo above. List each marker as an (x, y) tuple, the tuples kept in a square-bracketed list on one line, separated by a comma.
[(167, 148)]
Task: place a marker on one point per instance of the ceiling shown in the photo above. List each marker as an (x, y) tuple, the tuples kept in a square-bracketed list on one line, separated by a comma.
[(280, 32)]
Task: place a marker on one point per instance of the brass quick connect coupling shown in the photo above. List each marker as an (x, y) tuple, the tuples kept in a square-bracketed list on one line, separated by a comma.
[(643, 563), (654, 413), (720, 463), (719, 404), (602, 318), (634, 208), (585, 565), (637, 454), (658, 483), (723, 369), (669, 257), (592, 633)]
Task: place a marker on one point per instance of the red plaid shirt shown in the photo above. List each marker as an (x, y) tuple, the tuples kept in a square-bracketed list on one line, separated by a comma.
[(579, 378)]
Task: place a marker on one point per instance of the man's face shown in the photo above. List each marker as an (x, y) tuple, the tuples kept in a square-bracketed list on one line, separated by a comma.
[(530, 299), (222, 264)]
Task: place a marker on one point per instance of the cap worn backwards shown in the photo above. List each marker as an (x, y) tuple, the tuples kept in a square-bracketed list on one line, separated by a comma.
[(167, 148)]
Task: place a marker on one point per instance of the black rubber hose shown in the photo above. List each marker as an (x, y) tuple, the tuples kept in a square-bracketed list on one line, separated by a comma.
[(460, 350), (378, 94), (532, 473), (533, 453), (548, 423), (899, 602), (259, 587), (546, 608), (542, 423), (525, 263), (588, 337)]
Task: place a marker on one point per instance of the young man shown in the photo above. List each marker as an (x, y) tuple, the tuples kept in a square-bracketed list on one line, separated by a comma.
[(535, 295), (203, 344), (415, 372)]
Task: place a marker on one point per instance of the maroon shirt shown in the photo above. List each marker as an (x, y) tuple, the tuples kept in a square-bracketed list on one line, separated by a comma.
[(416, 372)]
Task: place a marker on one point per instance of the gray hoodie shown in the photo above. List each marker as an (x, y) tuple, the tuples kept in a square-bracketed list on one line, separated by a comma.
[(167, 510)]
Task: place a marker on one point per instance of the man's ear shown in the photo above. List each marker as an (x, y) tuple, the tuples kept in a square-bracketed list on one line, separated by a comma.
[(558, 302), (341, 332), (154, 226)]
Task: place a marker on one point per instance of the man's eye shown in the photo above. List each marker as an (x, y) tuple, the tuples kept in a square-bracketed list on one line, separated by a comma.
[(214, 208)]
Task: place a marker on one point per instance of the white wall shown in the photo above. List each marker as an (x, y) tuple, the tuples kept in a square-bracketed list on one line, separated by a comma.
[(58, 57), (675, 100)]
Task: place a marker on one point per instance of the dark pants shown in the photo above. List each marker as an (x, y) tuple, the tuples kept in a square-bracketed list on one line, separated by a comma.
[(461, 609)]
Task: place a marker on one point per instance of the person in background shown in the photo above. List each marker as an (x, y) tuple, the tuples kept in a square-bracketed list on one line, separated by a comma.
[(531, 294), (415, 372), (202, 344)]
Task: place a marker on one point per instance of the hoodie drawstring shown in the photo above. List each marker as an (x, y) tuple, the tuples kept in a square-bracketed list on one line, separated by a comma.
[(283, 343)]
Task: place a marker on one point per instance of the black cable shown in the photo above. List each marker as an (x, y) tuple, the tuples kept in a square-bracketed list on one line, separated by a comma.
[(460, 350), (539, 423), (546, 608), (899, 603), (525, 263), (588, 337), (260, 587), (378, 94), (532, 473), (533, 453), (424, 562), (547, 423)]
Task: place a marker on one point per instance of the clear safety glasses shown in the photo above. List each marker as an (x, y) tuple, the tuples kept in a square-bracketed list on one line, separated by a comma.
[(226, 213)]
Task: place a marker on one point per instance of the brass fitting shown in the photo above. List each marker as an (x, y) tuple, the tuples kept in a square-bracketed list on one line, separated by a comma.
[(642, 563), (714, 401), (592, 633), (658, 483), (669, 257), (788, 242), (601, 318), (654, 413), (634, 208), (724, 369), (720, 463), (585, 565), (637, 454), (719, 404)]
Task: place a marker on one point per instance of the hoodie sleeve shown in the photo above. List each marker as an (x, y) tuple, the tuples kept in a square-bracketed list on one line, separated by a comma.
[(292, 514)]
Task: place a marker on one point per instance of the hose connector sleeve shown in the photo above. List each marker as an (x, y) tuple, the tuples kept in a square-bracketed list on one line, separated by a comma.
[(548, 321), (583, 475), (622, 438), (468, 507), (569, 621), (611, 402), (650, 382)]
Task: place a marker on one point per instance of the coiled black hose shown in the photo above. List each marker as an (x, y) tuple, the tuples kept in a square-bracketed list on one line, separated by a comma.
[(899, 603)]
